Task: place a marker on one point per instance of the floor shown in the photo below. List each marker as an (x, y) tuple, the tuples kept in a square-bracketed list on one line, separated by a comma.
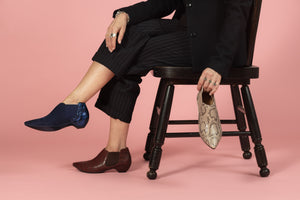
[(40, 168)]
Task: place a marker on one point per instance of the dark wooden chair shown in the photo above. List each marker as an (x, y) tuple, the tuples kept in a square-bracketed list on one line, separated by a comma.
[(170, 76)]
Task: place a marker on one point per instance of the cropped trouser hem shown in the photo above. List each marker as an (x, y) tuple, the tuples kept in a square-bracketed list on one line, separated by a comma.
[(117, 99)]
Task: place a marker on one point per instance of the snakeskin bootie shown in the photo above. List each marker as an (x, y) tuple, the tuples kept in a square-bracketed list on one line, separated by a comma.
[(208, 119)]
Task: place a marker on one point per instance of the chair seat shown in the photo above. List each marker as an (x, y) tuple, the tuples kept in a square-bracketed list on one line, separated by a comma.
[(185, 75)]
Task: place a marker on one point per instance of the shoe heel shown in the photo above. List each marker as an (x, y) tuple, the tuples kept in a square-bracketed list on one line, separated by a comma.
[(80, 124), (122, 168), (82, 117)]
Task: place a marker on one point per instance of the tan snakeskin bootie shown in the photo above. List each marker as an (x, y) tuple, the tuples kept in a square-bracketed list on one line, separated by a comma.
[(208, 119)]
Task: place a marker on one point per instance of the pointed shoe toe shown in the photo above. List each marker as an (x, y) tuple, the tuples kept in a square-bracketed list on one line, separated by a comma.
[(61, 116), (209, 123), (29, 123), (79, 166)]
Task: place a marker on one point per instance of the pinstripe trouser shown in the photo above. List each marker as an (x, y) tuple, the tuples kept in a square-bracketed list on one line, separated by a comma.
[(145, 45)]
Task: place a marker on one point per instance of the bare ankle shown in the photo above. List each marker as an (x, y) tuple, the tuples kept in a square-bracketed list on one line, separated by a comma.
[(114, 149), (71, 99), (70, 102)]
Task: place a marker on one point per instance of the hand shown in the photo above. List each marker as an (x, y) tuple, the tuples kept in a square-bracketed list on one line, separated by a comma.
[(117, 27), (209, 80)]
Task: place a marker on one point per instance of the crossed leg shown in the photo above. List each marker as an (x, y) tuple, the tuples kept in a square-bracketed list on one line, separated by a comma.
[(96, 77)]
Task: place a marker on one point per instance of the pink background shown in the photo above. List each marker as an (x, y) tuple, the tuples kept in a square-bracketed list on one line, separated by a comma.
[(46, 47)]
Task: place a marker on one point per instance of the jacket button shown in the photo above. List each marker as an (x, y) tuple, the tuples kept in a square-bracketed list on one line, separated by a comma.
[(193, 34), (188, 5)]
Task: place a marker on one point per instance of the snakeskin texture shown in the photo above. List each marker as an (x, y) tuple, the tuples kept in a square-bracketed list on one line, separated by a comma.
[(208, 119)]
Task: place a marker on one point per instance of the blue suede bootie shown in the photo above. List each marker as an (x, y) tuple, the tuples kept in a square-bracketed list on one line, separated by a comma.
[(61, 116)]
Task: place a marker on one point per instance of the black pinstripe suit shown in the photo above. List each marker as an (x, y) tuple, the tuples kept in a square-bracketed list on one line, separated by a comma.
[(214, 37), (217, 28)]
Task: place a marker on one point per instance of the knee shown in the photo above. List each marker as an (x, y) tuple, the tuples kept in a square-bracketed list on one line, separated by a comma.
[(145, 26)]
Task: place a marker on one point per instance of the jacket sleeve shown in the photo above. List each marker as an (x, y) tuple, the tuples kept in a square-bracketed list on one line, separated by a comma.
[(235, 22), (148, 10)]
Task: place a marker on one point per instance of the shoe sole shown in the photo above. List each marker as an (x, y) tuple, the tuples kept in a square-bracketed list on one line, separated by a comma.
[(50, 129)]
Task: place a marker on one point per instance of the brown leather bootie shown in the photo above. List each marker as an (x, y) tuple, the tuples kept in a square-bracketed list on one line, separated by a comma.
[(105, 160)]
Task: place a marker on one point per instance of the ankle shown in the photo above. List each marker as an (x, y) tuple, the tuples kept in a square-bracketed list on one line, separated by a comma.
[(68, 102), (114, 148), (71, 100)]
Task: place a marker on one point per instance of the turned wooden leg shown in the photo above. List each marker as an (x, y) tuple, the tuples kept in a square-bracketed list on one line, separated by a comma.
[(161, 131), (259, 149), (241, 122), (154, 119)]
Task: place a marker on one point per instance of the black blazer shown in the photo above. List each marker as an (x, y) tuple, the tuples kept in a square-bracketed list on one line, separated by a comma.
[(217, 28)]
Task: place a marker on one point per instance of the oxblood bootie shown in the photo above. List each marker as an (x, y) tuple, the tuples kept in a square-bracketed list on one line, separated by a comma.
[(105, 160), (61, 116)]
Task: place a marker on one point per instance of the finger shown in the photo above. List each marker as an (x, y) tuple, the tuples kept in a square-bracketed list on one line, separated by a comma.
[(216, 85), (110, 43), (214, 90), (115, 31), (108, 39), (200, 82), (113, 43), (211, 85), (208, 74), (206, 83), (121, 34), (107, 35)]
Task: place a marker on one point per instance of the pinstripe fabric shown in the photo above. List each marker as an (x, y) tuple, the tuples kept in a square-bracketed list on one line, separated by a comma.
[(157, 37), (145, 45)]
